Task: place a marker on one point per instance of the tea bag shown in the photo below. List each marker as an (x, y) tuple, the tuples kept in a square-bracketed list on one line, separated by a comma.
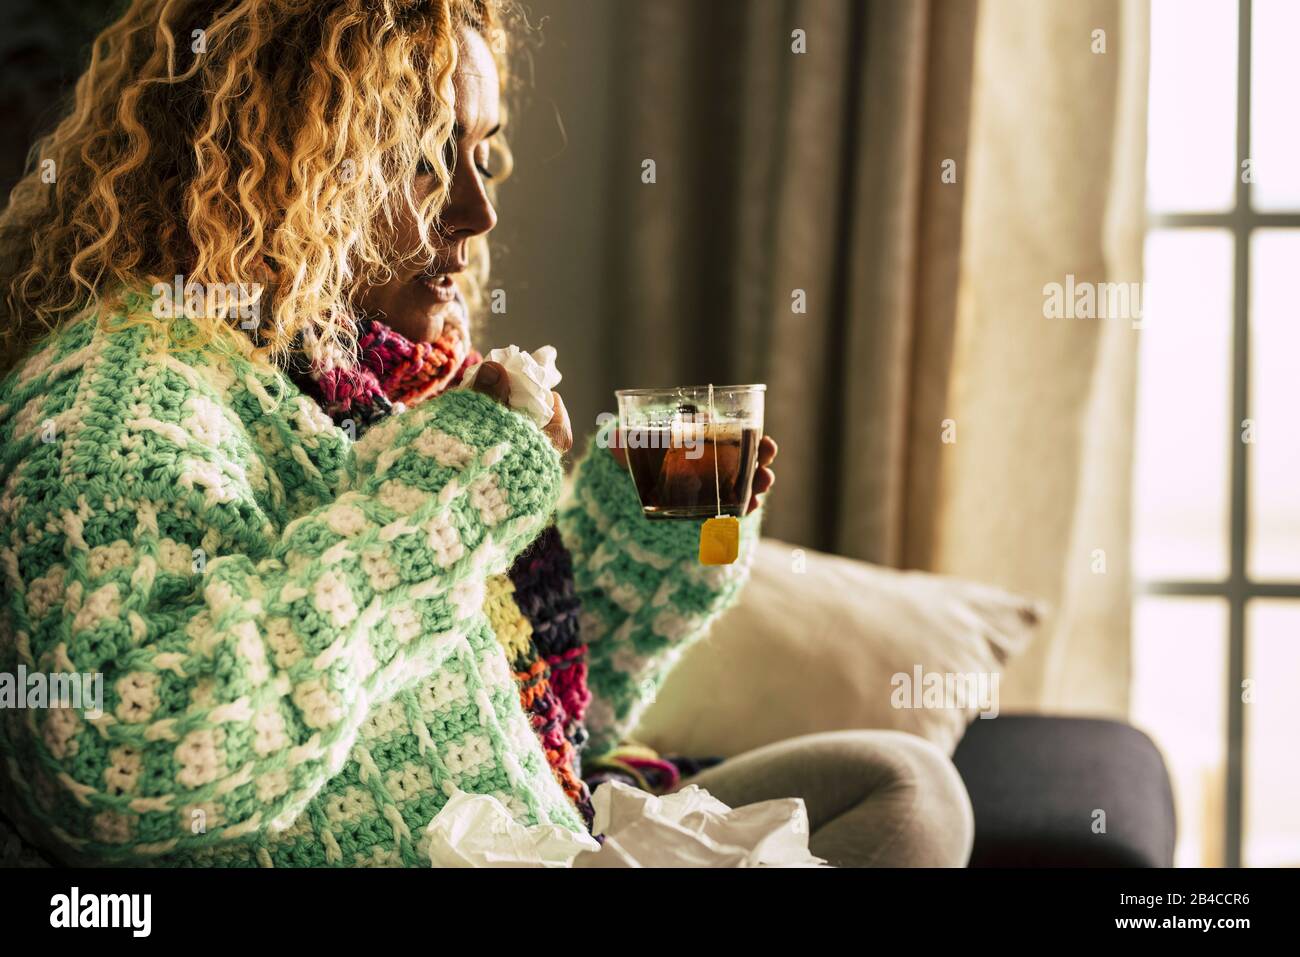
[(720, 536), (679, 479)]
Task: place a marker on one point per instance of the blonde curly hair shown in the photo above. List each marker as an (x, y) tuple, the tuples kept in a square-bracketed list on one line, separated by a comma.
[(262, 144)]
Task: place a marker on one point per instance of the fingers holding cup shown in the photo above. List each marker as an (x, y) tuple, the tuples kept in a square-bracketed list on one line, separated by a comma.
[(764, 477)]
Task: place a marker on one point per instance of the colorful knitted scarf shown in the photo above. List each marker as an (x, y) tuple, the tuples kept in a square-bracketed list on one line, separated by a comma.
[(388, 369)]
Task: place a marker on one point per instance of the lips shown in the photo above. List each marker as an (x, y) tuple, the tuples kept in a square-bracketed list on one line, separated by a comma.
[(440, 280), (443, 287)]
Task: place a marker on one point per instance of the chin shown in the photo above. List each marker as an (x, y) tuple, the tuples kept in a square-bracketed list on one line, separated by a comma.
[(424, 321)]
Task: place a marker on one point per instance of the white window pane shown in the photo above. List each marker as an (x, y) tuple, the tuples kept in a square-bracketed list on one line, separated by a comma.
[(1180, 512), (1272, 786), (1274, 118), (1274, 523), (1192, 117), (1179, 661)]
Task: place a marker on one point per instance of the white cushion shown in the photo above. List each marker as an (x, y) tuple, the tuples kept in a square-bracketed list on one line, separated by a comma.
[(815, 644)]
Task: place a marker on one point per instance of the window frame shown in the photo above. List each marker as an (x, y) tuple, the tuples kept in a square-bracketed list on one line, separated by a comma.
[(1238, 589)]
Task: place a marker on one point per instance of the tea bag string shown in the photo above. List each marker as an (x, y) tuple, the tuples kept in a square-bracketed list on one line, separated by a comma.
[(713, 422)]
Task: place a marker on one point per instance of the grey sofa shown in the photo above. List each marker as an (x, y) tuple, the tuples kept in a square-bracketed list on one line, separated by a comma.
[(1037, 784)]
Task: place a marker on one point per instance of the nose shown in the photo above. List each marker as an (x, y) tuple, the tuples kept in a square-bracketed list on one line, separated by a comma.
[(469, 211)]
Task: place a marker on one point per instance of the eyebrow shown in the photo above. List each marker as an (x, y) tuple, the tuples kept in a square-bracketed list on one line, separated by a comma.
[(458, 131)]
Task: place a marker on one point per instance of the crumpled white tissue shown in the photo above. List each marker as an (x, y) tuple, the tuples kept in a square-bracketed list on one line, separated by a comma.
[(532, 377), (476, 830), (689, 828), (692, 828)]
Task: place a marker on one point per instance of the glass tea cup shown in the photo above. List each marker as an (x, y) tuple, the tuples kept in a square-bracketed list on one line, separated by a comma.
[(692, 449)]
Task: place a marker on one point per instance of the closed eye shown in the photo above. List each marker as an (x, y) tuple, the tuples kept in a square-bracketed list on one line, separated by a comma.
[(425, 168)]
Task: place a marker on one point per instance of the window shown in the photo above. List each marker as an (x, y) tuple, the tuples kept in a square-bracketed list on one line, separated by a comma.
[(1217, 482)]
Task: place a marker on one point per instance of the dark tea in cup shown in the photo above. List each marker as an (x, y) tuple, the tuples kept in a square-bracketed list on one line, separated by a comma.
[(710, 474), (688, 462)]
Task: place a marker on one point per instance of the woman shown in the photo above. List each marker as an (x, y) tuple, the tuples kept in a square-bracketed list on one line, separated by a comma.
[(261, 215)]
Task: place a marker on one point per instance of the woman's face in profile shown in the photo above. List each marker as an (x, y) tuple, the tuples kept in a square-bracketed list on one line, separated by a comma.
[(421, 296)]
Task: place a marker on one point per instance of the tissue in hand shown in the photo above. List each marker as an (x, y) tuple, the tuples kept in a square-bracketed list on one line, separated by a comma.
[(532, 377)]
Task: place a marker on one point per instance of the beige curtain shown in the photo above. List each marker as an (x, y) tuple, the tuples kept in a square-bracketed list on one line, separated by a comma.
[(915, 177), (1035, 491)]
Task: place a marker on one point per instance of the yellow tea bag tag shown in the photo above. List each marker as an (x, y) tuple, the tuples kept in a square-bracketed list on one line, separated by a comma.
[(720, 540), (719, 537)]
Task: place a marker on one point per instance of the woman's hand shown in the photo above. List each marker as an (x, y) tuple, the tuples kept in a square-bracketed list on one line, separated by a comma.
[(764, 477), (494, 381)]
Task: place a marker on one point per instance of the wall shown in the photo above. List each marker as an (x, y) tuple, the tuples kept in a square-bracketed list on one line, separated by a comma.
[(548, 246)]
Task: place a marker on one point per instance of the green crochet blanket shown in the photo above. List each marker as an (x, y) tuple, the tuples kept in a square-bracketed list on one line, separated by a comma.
[(296, 666)]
